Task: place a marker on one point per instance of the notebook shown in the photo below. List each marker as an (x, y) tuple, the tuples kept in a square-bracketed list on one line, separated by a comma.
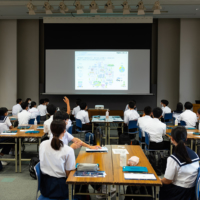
[(134, 169), (103, 149), (32, 131), (136, 176), (40, 127)]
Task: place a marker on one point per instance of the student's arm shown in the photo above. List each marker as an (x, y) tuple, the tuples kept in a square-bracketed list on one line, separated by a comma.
[(166, 181), (67, 173), (9, 124), (66, 100), (84, 144)]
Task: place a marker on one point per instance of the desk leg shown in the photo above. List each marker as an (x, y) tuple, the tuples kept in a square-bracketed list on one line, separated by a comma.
[(16, 154), (108, 133), (20, 144), (157, 193), (196, 142), (117, 192), (70, 191), (92, 127), (109, 194), (122, 128), (192, 144)]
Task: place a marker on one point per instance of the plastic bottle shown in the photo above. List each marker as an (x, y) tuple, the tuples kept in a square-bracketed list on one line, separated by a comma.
[(107, 114), (123, 159), (35, 124), (176, 122)]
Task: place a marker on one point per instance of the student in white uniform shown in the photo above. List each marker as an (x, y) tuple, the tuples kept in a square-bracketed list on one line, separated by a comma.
[(84, 117), (178, 111), (76, 109), (182, 169), (24, 116), (17, 108), (56, 162), (5, 125), (46, 101), (33, 110), (43, 110), (127, 107), (188, 116), (164, 104), (28, 101)]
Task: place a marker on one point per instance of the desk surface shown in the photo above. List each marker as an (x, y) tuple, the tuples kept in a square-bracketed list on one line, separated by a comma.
[(134, 150), (105, 164)]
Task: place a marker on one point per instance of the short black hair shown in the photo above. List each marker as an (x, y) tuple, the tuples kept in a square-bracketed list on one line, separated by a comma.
[(147, 110), (131, 104), (188, 105), (41, 101), (18, 100), (78, 102), (179, 107), (157, 112), (24, 105), (46, 100), (60, 115), (33, 103), (83, 105), (51, 109), (165, 102), (28, 99), (3, 111)]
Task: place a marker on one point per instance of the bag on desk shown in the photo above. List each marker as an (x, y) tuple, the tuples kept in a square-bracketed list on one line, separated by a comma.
[(124, 139), (32, 164), (89, 138), (87, 167)]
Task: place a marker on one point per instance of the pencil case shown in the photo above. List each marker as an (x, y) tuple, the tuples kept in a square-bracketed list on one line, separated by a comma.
[(32, 131), (190, 128), (23, 127), (196, 133), (134, 169), (87, 167)]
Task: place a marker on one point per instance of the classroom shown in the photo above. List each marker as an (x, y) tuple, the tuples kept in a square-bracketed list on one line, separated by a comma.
[(99, 100)]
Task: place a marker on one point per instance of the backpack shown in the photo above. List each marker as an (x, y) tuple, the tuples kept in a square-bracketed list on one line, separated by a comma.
[(124, 139), (1, 166), (32, 164), (44, 137), (89, 138)]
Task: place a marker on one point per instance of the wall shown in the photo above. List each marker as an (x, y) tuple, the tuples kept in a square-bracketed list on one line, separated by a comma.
[(189, 60), (168, 61), (8, 63), (28, 59)]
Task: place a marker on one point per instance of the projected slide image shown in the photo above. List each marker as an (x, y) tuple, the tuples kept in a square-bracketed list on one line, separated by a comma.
[(101, 70)]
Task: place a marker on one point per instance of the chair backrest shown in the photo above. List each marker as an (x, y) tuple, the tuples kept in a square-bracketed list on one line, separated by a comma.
[(140, 133), (183, 123), (70, 129), (132, 124), (197, 185), (79, 123), (38, 174), (31, 121), (38, 119), (168, 116), (147, 138)]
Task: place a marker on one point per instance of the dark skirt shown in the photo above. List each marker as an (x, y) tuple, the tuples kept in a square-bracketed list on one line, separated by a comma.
[(156, 146), (173, 192)]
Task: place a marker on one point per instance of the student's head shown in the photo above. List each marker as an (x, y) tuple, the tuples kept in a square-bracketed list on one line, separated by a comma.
[(179, 137), (164, 102), (46, 101), (3, 111), (19, 101), (147, 110), (179, 107), (33, 104), (83, 106), (51, 109), (157, 112), (188, 105), (131, 105), (78, 102), (41, 101), (28, 100), (58, 129), (62, 115), (24, 106)]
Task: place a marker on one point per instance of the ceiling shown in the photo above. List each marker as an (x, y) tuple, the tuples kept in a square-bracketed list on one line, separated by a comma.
[(16, 9)]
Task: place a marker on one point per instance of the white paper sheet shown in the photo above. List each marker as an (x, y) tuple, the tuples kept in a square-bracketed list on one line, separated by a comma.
[(136, 176), (103, 149), (24, 130), (8, 133), (119, 151)]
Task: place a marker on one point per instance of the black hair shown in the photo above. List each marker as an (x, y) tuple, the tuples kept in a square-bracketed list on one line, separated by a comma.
[(179, 107), (131, 104), (62, 115), (165, 102), (179, 134), (46, 100), (83, 105), (157, 112), (188, 105), (24, 105), (147, 110), (33, 103), (3, 111), (28, 99), (198, 111), (78, 102), (41, 101), (57, 128), (51, 109), (18, 100)]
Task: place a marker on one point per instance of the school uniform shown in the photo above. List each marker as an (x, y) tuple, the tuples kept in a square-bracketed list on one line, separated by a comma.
[(183, 177), (76, 110), (24, 117), (166, 110), (66, 138), (43, 111), (189, 117), (84, 117), (130, 115), (142, 121), (34, 112), (16, 109)]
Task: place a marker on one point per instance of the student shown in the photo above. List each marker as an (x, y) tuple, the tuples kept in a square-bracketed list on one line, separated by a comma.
[(43, 110), (5, 125), (198, 114), (76, 109), (66, 100), (178, 111), (28, 101), (135, 108), (24, 116), (56, 162), (46, 101), (33, 110), (188, 116), (17, 108), (164, 104), (156, 130), (84, 117), (182, 169)]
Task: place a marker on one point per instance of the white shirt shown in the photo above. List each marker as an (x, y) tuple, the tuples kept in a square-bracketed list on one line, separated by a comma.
[(83, 116), (55, 163), (156, 130), (165, 110), (16, 109), (142, 121), (184, 176), (130, 115), (24, 117), (42, 109), (66, 138), (5, 124), (69, 123), (34, 112), (189, 117), (75, 110)]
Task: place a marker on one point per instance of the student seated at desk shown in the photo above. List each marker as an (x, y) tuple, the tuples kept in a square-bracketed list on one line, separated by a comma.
[(28, 101), (84, 117), (182, 169), (178, 111), (165, 109), (156, 130), (76, 109), (56, 162), (17, 108), (188, 116), (127, 106), (24, 116), (33, 110), (43, 110)]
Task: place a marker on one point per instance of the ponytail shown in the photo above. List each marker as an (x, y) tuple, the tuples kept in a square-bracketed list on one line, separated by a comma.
[(56, 143)]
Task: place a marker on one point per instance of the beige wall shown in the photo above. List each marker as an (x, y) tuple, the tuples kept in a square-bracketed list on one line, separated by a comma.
[(168, 61), (28, 59), (8, 63)]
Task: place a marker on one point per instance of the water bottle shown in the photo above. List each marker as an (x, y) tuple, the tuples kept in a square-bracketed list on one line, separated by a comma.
[(107, 115), (176, 122), (35, 124), (123, 159)]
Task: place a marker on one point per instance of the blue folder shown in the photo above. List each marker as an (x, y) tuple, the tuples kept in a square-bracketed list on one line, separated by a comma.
[(196, 133), (134, 169), (190, 128), (23, 127), (32, 131)]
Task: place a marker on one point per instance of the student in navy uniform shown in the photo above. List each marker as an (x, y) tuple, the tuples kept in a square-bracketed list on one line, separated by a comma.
[(182, 169)]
